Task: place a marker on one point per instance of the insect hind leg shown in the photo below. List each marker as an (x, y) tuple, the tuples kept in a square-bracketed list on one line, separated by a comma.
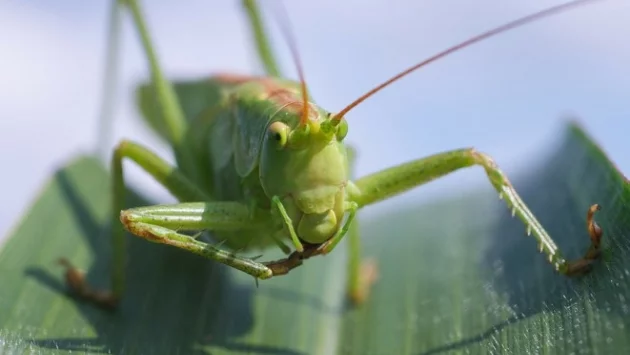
[(168, 176), (390, 182)]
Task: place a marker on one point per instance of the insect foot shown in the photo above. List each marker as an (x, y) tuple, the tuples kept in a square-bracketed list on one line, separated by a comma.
[(284, 266), (585, 265), (75, 279)]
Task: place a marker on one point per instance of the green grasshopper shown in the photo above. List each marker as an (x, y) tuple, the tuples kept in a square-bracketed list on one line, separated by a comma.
[(259, 164)]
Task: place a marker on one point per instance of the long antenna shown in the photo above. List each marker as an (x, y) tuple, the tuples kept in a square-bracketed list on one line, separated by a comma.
[(285, 27), (462, 45)]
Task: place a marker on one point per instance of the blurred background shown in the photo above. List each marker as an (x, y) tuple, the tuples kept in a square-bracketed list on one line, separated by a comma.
[(509, 96)]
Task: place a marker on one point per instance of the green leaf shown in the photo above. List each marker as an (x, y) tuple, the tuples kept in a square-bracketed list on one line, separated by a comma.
[(457, 275)]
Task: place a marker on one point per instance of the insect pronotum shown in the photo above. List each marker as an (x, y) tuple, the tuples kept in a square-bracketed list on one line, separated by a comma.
[(259, 164)]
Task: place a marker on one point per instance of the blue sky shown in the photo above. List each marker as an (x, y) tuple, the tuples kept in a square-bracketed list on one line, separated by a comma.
[(506, 96)]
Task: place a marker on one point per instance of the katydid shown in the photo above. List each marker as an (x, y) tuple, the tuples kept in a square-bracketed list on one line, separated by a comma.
[(259, 164)]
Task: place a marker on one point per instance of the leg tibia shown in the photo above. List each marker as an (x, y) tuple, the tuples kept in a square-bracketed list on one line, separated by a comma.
[(392, 181), (170, 237)]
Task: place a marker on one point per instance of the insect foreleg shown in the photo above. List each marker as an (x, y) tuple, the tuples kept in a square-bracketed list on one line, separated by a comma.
[(287, 223), (169, 177), (327, 247), (392, 181), (159, 224), (283, 266)]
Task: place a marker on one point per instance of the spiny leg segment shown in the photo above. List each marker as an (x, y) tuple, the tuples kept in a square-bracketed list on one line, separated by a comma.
[(389, 182)]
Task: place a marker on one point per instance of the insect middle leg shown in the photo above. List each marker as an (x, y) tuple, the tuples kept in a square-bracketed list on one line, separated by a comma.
[(389, 182), (361, 273)]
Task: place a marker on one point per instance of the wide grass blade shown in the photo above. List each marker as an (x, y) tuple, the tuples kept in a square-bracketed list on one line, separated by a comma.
[(455, 276)]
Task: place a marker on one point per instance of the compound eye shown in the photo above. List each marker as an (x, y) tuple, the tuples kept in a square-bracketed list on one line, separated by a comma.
[(279, 132), (342, 130)]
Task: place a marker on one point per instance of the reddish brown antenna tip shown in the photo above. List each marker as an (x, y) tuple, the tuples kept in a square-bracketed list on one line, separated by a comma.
[(285, 27), (478, 38)]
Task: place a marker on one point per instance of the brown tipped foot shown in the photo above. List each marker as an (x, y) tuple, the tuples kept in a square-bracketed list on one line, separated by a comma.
[(585, 265), (283, 266), (368, 274), (75, 279)]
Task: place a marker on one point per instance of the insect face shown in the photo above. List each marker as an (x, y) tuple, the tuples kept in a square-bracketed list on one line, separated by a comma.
[(306, 167)]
